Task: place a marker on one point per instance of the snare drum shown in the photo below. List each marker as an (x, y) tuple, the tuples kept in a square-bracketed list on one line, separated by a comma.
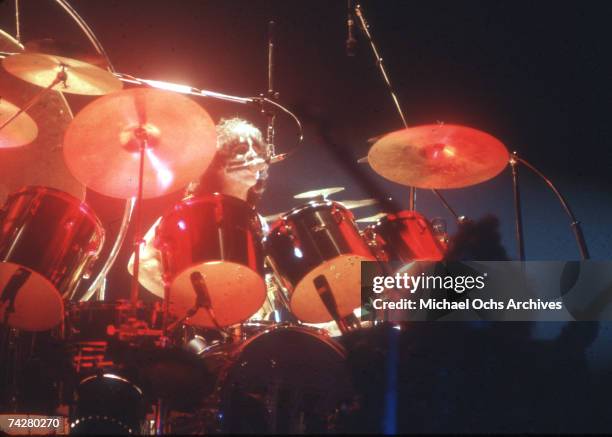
[(319, 238), (283, 379), (220, 238), (406, 236), (48, 242)]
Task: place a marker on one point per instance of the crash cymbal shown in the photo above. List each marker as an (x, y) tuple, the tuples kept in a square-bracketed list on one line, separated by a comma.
[(371, 219), (323, 192), (42, 161), (19, 132), (102, 142), (81, 77), (348, 204), (438, 156)]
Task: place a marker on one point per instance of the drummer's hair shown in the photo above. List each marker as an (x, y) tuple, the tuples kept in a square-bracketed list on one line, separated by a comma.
[(229, 130), (236, 129)]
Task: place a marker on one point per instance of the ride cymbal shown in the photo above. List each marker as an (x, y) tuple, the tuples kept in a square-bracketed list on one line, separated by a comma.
[(438, 156), (101, 145)]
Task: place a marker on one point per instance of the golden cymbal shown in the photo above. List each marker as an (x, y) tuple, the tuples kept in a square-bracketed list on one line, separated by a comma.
[(101, 145), (354, 204), (80, 77), (20, 131), (438, 156), (372, 218), (348, 204), (42, 161), (323, 192)]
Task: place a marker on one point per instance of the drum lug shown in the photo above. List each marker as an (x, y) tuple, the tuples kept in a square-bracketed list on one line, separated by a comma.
[(337, 215)]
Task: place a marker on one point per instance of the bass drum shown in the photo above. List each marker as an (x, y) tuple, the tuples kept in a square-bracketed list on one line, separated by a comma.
[(49, 241), (284, 380), (108, 404)]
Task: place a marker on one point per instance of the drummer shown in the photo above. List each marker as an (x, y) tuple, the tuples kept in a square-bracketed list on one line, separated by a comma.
[(239, 169)]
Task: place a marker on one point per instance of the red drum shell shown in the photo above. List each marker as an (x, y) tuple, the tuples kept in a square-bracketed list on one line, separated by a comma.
[(319, 238), (56, 238), (220, 237), (406, 236)]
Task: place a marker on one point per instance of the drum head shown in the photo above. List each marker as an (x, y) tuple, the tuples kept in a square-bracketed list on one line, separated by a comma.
[(343, 274), (223, 280), (37, 305)]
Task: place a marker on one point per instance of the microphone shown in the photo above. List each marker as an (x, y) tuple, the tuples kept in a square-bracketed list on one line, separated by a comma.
[(351, 42), (257, 162), (202, 297)]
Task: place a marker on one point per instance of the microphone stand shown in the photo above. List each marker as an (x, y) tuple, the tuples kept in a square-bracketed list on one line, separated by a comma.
[(365, 28)]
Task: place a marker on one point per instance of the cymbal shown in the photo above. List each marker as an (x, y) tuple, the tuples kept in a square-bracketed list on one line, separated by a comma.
[(101, 145), (81, 77), (66, 49), (42, 161), (348, 204), (354, 204), (323, 192), (372, 218), (438, 156), (19, 132)]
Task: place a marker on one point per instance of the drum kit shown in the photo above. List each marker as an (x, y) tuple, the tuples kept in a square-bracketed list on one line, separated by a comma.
[(203, 349)]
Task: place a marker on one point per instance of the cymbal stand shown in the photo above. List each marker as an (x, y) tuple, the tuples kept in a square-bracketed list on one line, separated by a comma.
[(60, 78), (142, 140), (365, 28), (574, 223)]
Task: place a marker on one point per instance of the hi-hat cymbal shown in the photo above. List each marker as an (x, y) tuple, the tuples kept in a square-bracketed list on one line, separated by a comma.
[(19, 132), (80, 77), (438, 156), (323, 192), (101, 145)]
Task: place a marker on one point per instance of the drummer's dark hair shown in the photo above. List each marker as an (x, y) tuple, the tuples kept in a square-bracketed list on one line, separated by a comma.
[(229, 130)]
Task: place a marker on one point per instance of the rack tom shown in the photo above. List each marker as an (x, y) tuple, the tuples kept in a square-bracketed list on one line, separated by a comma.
[(406, 236), (218, 237), (314, 240), (49, 241)]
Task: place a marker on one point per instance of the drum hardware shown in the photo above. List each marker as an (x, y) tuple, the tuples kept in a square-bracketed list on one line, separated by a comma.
[(23, 129), (574, 223)]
